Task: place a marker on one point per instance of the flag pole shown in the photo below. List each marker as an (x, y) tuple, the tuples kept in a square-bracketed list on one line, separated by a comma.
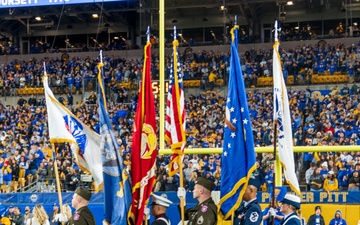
[(181, 185), (148, 34), (57, 179), (278, 168), (161, 73), (233, 213), (55, 163), (145, 222), (275, 169)]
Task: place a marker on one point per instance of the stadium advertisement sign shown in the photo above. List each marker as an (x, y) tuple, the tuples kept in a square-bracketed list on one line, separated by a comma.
[(320, 197), (341, 197), (29, 3), (347, 201)]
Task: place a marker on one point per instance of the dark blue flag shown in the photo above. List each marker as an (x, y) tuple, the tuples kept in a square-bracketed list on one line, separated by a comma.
[(117, 188), (238, 157)]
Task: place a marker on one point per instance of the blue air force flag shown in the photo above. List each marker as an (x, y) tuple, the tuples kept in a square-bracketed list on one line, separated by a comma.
[(238, 157)]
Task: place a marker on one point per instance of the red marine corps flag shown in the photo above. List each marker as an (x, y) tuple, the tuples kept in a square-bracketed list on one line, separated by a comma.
[(144, 148)]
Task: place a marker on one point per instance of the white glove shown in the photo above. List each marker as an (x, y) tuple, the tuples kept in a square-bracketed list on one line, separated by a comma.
[(61, 217), (272, 212), (182, 193), (146, 213)]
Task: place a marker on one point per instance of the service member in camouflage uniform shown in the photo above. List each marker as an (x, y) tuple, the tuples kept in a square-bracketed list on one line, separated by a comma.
[(205, 212), (82, 215)]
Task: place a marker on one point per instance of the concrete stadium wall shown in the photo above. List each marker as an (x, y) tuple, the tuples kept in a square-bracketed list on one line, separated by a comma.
[(347, 202)]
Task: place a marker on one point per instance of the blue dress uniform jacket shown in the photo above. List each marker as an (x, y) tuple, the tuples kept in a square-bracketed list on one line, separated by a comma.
[(161, 220), (292, 219), (248, 215)]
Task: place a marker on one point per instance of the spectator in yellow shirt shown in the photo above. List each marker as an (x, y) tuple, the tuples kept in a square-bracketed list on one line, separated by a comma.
[(5, 221), (331, 183), (47, 151), (212, 78)]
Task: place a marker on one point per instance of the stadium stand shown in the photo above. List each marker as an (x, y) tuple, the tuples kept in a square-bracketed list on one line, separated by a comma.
[(319, 118)]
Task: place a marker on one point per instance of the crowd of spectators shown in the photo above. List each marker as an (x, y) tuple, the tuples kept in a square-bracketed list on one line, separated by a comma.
[(327, 120), (76, 74), (38, 215)]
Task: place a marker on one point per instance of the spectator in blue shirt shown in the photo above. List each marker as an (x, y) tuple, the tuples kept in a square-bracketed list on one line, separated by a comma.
[(338, 220), (317, 218), (78, 82), (70, 82), (267, 218), (269, 177), (39, 155), (297, 121)]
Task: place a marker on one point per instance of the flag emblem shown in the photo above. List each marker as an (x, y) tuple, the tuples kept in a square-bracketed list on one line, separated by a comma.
[(77, 130), (148, 141)]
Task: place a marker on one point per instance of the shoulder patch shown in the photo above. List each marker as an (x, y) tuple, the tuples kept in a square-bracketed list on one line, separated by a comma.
[(254, 216), (204, 208), (76, 217), (200, 220)]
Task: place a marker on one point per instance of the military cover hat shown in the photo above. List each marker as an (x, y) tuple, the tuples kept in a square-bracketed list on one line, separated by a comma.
[(208, 184), (85, 194)]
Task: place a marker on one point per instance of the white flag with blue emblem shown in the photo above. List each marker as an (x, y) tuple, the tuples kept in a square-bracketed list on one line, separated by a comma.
[(283, 121), (65, 127)]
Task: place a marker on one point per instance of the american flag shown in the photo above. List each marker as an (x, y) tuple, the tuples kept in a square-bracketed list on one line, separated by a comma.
[(175, 112)]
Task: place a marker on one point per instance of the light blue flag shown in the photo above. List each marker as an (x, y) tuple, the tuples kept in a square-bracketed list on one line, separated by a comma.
[(117, 188), (238, 157)]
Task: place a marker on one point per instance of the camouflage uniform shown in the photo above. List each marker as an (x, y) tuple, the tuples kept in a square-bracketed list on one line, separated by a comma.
[(82, 216), (203, 213)]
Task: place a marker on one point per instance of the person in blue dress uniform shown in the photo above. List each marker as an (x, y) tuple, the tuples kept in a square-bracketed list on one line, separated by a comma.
[(249, 211), (159, 206), (290, 204)]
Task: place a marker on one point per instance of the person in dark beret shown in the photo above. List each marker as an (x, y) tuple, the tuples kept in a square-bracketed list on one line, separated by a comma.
[(82, 215), (205, 212)]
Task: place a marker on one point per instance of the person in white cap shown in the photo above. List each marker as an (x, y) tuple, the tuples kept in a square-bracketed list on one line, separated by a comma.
[(290, 204), (158, 209), (331, 183)]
